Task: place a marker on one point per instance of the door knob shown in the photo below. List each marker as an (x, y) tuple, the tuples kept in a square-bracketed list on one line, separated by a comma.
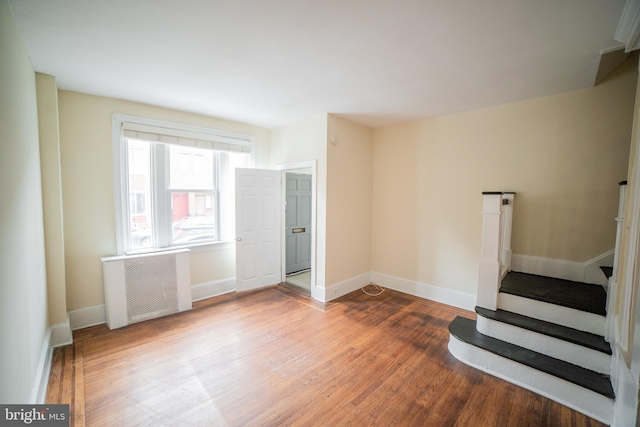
[(239, 239)]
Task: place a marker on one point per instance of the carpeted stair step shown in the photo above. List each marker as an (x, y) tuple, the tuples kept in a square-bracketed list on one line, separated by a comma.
[(465, 331)]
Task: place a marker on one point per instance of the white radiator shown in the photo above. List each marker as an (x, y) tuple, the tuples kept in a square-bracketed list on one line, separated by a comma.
[(145, 286)]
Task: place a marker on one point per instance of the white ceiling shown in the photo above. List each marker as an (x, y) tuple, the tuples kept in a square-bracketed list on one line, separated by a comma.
[(273, 62)]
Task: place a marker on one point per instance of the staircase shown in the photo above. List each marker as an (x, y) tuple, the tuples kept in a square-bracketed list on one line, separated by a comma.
[(542, 333), (546, 336)]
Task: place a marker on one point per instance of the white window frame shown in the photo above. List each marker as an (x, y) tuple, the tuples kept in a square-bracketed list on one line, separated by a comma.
[(120, 177)]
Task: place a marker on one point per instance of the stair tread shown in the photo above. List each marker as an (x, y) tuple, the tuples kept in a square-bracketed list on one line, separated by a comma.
[(465, 330), (577, 295), (585, 339)]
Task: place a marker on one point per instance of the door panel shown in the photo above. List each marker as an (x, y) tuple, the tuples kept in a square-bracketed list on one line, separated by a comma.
[(298, 222), (258, 196)]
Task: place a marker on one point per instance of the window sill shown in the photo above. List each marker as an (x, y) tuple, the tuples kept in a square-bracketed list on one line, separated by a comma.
[(208, 247), (194, 248)]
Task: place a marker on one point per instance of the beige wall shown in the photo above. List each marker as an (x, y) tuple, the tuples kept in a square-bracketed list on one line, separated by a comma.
[(395, 214), (307, 141), (349, 195), (52, 196), (87, 184), (563, 155), (23, 293), (344, 190)]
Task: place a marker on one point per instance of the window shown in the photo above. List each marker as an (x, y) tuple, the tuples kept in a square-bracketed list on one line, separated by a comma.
[(174, 183)]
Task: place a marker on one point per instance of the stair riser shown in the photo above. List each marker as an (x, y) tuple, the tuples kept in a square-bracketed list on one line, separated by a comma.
[(585, 401), (565, 316), (559, 349)]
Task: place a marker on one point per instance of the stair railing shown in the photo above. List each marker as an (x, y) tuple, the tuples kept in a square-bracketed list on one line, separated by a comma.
[(495, 260), (612, 288), (507, 223)]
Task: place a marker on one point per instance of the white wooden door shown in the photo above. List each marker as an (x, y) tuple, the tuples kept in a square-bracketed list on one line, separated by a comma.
[(258, 228)]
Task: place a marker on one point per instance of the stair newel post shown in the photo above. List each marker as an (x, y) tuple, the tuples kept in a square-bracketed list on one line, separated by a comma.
[(619, 227), (490, 271), (612, 288), (507, 224)]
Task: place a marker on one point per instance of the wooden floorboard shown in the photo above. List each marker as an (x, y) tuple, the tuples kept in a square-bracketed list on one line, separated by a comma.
[(274, 357), (66, 382)]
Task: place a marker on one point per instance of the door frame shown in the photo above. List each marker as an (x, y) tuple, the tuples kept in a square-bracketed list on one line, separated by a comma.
[(286, 167), (298, 232)]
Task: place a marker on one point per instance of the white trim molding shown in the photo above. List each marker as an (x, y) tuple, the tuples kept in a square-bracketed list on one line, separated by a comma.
[(587, 271), (163, 132), (317, 292), (337, 290), (41, 380), (490, 268), (213, 289), (628, 31), (88, 316), (464, 300), (592, 272), (622, 379), (57, 335), (61, 334), (96, 315)]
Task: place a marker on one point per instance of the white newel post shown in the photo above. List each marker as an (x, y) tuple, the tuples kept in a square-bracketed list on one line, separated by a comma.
[(507, 224), (612, 289), (490, 271)]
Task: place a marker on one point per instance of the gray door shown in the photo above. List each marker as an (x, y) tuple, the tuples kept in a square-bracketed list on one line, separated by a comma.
[(298, 222)]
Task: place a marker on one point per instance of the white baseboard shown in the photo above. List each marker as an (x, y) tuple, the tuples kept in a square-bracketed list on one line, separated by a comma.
[(592, 271), (57, 335), (626, 391), (451, 297), (88, 316), (96, 315), (213, 289), (588, 271), (346, 286), (61, 334), (550, 267), (41, 380)]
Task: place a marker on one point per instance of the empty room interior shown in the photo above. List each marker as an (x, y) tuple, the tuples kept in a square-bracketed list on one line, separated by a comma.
[(321, 213)]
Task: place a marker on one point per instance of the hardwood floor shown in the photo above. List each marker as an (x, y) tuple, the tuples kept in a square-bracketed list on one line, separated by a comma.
[(273, 357)]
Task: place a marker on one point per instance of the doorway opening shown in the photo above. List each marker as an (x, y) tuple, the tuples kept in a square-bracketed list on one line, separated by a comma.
[(301, 285), (298, 238)]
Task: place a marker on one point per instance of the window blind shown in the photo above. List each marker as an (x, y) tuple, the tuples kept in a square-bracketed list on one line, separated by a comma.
[(189, 138)]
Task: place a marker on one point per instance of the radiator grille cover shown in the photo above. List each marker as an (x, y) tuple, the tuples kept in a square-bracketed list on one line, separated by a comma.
[(151, 287), (146, 286)]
